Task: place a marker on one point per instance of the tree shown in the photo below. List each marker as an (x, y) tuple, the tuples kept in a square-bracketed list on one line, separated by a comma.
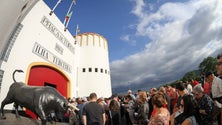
[(208, 64), (191, 75)]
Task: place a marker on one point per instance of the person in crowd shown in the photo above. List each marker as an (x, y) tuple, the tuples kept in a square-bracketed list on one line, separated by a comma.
[(173, 97), (114, 113), (125, 118), (205, 105), (194, 82), (189, 115), (219, 73), (153, 91), (107, 102), (93, 113), (189, 87), (207, 87), (216, 90), (101, 102), (219, 65), (142, 109), (66, 116), (73, 112), (129, 92), (137, 93), (81, 102), (181, 89), (107, 113), (115, 97), (163, 90), (216, 86), (160, 115), (129, 106), (202, 79)]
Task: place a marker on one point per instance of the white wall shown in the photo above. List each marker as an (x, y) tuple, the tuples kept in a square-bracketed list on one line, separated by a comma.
[(94, 54), (33, 32), (11, 13)]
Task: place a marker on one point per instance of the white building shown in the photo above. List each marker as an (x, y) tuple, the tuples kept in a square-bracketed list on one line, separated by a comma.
[(48, 55)]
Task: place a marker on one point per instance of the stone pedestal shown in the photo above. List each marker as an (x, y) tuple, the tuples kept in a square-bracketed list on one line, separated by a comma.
[(12, 120)]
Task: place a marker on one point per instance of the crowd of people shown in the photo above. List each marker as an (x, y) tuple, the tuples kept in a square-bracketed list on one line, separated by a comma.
[(186, 103)]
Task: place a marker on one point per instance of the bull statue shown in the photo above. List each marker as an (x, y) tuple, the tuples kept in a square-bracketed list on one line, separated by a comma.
[(42, 100)]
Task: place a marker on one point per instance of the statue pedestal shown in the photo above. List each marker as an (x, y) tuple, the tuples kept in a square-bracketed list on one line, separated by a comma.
[(12, 120)]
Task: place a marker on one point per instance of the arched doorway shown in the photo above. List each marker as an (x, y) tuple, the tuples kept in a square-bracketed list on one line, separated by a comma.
[(42, 75)]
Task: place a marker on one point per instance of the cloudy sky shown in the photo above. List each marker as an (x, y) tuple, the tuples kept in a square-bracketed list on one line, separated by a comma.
[(151, 42), (179, 37)]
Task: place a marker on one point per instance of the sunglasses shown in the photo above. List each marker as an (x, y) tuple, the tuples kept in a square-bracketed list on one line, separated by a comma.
[(219, 63)]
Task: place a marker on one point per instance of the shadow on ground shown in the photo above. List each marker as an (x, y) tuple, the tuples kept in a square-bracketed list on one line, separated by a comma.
[(12, 120)]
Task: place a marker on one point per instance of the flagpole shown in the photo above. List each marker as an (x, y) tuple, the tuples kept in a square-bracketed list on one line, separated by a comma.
[(52, 11), (73, 2), (68, 22), (77, 30)]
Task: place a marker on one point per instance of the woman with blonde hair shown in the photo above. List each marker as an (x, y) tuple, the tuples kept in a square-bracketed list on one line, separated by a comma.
[(142, 108)]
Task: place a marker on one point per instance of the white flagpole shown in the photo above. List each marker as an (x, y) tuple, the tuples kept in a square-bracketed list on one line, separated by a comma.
[(66, 26), (52, 11), (77, 31), (73, 2)]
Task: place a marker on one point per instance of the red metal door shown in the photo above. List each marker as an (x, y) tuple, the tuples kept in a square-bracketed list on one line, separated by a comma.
[(43, 75)]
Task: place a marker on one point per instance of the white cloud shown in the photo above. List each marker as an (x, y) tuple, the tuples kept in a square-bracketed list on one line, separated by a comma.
[(125, 38), (181, 34), (129, 40)]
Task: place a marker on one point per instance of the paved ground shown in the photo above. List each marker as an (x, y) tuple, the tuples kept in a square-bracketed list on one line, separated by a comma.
[(12, 120)]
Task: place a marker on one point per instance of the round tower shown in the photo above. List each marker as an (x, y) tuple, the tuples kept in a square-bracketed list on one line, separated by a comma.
[(93, 69)]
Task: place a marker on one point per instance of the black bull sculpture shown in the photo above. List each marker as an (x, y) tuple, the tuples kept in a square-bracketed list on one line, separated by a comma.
[(40, 100)]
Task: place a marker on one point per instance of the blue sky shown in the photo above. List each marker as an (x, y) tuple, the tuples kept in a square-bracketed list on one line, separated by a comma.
[(109, 18), (151, 42)]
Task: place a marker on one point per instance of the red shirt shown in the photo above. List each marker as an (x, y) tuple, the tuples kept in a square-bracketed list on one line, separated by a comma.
[(195, 82)]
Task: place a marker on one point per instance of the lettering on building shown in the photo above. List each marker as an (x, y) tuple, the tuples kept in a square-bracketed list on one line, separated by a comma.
[(48, 25), (59, 49), (48, 56)]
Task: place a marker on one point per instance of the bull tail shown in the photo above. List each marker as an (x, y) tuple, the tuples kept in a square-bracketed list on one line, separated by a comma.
[(13, 75)]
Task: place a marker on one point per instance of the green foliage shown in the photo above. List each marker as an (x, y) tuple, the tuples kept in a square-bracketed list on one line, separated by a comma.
[(188, 76), (208, 64)]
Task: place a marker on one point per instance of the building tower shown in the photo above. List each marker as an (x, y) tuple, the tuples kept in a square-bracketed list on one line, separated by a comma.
[(93, 70)]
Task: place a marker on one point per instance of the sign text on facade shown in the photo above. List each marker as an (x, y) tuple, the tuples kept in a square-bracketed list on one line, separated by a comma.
[(45, 54)]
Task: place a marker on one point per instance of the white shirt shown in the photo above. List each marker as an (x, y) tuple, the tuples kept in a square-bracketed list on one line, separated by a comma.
[(189, 88), (216, 87)]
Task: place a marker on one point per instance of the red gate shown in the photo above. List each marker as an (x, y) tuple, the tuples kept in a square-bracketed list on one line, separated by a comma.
[(47, 76)]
